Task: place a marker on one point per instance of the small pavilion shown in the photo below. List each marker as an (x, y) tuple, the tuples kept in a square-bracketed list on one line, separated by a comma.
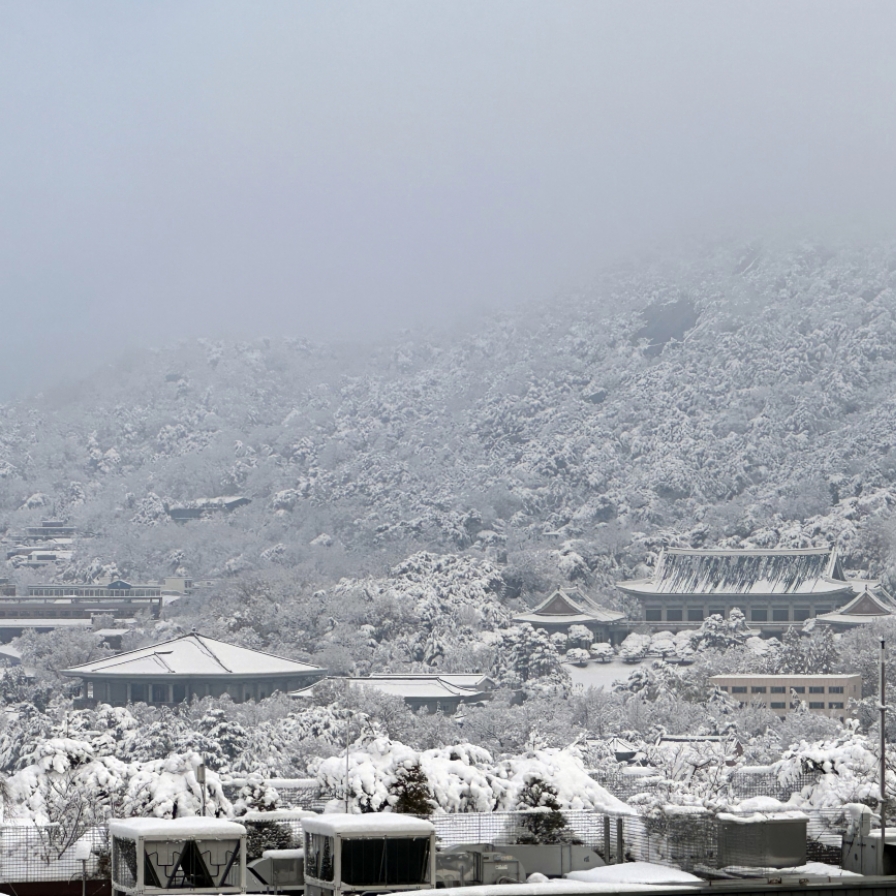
[(564, 608)]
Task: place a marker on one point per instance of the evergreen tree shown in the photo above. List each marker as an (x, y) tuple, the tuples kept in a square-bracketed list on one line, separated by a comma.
[(411, 791), (793, 659), (543, 821), (227, 739), (822, 655)]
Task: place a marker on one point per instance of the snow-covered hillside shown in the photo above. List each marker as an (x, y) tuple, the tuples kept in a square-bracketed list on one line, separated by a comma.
[(743, 397)]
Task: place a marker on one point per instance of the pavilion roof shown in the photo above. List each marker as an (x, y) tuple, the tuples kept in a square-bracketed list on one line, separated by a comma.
[(744, 572), (563, 607)]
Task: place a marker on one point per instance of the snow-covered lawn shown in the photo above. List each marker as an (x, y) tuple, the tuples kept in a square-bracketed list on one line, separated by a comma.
[(599, 675)]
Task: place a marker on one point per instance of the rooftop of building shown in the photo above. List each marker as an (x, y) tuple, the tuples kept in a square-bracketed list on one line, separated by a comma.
[(804, 571), (193, 655)]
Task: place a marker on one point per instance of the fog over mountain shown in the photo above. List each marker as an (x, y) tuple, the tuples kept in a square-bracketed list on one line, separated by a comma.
[(742, 396), (344, 171)]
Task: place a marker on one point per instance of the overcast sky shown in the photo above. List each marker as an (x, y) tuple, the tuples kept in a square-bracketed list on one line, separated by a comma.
[(334, 170)]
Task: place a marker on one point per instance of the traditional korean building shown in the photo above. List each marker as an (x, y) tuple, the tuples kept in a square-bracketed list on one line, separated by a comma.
[(869, 605), (191, 666), (774, 589), (420, 691), (564, 608)]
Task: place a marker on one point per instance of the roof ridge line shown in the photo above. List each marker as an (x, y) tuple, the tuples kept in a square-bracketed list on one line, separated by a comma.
[(198, 638)]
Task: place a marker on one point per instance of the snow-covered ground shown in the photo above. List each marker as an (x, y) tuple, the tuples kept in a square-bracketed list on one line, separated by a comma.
[(599, 675)]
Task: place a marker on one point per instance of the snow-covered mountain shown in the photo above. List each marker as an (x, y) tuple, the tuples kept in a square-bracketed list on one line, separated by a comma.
[(744, 396)]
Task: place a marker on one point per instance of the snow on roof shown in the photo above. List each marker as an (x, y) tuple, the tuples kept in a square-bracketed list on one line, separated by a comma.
[(28, 622), (193, 655), (763, 817), (806, 571), (277, 815), (746, 676), (192, 826), (370, 824), (283, 854), (562, 607), (560, 888), (866, 606), (412, 687), (635, 873), (458, 679)]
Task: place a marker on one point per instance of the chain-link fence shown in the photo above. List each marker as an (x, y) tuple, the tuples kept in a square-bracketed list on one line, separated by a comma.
[(688, 838), (30, 853)]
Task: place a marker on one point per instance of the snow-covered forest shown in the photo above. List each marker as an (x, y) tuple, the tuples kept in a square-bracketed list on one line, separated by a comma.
[(407, 499)]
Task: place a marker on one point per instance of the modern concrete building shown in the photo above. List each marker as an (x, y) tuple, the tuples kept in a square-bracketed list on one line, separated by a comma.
[(826, 695), (430, 692), (57, 600), (774, 589), (193, 665), (566, 607)]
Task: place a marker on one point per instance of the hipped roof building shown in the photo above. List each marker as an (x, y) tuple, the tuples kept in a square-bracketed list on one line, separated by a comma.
[(192, 665)]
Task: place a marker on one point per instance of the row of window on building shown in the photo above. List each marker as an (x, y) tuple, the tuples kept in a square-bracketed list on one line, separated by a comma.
[(782, 689), (756, 614)]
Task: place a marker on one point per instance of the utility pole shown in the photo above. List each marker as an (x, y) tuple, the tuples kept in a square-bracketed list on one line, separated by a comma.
[(200, 779), (347, 729), (883, 756)]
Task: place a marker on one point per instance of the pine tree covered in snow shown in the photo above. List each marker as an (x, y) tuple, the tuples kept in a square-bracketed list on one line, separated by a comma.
[(411, 791), (543, 822)]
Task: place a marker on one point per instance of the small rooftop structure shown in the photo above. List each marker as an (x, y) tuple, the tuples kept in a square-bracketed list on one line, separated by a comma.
[(192, 665), (382, 851), (160, 855), (421, 691), (566, 607)]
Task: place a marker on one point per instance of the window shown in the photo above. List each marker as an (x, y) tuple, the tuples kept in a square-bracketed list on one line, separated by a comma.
[(799, 689), (835, 705), (737, 689), (695, 615), (778, 689), (814, 704), (757, 689), (835, 689), (380, 862), (138, 693), (801, 614), (723, 687), (778, 705), (758, 615), (653, 614), (89, 690), (673, 615), (820, 611), (780, 614), (717, 611), (319, 856), (178, 693), (816, 689), (160, 693)]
